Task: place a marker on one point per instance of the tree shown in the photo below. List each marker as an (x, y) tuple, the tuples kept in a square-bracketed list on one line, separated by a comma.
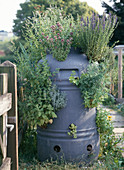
[(73, 7), (118, 9)]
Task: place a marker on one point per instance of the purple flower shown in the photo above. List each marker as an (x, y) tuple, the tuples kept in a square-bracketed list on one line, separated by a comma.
[(71, 33), (42, 33), (62, 40), (82, 19), (53, 27), (58, 34), (55, 37), (51, 39), (58, 24), (67, 41), (87, 21)]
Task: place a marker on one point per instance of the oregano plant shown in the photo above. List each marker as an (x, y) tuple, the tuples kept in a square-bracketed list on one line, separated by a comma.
[(92, 84)]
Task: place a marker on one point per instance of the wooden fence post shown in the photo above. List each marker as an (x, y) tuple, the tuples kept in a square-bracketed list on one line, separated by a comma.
[(120, 48), (12, 149)]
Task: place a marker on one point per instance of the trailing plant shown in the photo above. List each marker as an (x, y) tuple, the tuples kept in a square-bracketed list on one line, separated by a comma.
[(54, 31), (108, 140), (73, 130), (36, 103), (92, 84), (39, 101), (36, 106), (58, 98), (93, 35)]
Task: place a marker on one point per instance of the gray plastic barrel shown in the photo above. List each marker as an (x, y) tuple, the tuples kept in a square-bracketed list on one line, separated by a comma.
[(54, 141)]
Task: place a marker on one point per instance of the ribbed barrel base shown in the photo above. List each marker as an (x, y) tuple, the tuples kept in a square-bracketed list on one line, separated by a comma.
[(57, 145)]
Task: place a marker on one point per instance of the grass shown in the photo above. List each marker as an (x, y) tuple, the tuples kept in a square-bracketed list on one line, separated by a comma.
[(28, 159), (107, 164)]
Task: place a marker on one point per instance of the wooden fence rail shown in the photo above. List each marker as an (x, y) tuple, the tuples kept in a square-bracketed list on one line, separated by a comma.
[(8, 116)]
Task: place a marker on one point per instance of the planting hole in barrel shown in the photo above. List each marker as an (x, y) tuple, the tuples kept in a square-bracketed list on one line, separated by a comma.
[(57, 148), (89, 147)]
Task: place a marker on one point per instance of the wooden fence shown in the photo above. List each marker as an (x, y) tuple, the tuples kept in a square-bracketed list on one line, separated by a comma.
[(8, 116), (120, 49)]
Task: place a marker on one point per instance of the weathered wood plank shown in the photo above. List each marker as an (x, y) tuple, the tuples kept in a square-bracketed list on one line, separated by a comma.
[(5, 103), (4, 90), (6, 164), (120, 73), (12, 150), (1, 145)]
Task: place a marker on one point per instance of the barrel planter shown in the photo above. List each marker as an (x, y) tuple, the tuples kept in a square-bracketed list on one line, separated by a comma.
[(54, 141)]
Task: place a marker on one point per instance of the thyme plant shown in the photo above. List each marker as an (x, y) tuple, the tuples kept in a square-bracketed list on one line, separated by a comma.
[(58, 98)]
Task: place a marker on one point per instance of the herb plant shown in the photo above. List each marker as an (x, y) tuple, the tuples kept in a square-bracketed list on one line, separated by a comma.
[(93, 35), (108, 140), (58, 98), (92, 84), (54, 31), (73, 130), (35, 102)]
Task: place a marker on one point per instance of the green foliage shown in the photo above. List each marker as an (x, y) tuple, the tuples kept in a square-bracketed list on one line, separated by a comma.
[(56, 33), (58, 98), (109, 101), (92, 84), (73, 130), (120, 108), (4, 46), (39, 100), (108, 141), (28, 147), (117, 9), (36, 104), (73, 7), (93, 35)]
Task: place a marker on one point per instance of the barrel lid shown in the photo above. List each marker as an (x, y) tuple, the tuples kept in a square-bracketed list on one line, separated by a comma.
[(75, 60)]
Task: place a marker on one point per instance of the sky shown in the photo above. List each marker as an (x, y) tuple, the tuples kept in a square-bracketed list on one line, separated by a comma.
[(8, 10)]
